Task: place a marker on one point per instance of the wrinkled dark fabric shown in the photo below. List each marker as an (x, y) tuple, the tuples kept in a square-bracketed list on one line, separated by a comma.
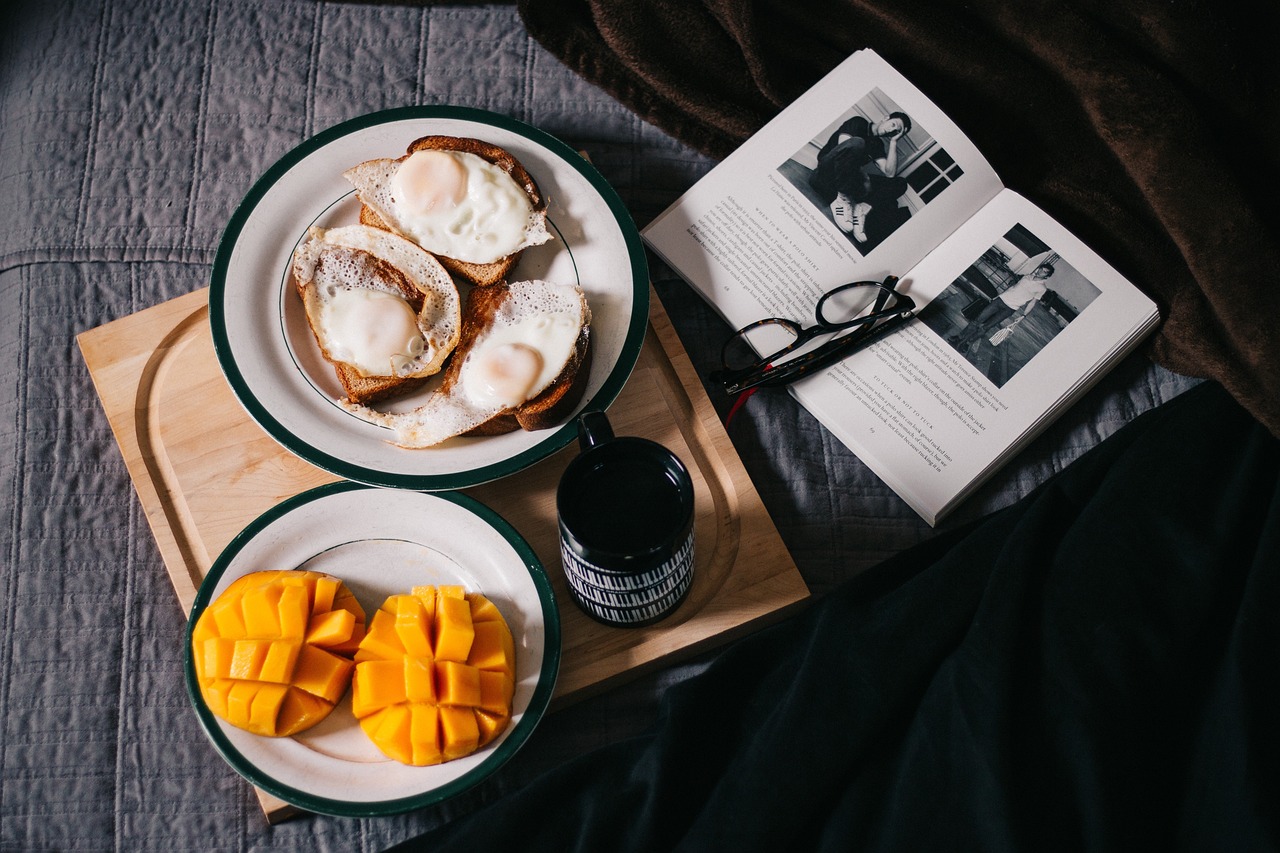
[(1093, 668), (1148, 128)]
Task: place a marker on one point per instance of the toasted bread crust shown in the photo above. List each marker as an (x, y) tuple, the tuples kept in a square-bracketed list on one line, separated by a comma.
[(359, 387), (372, 389), (547, 409), (480, 275), (379, 268)]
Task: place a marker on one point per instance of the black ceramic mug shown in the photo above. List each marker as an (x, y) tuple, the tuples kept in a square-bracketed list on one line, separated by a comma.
[(625, 510)]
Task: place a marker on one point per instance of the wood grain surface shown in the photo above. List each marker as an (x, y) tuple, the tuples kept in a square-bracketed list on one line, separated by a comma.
[(203, 470)]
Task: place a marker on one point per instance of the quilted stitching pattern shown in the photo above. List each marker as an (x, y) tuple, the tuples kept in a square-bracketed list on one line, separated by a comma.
[(128, 133)]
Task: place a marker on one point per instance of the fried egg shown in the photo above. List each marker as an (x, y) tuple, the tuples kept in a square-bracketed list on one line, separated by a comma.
[(376, 302), (522, 349), (451, 203)]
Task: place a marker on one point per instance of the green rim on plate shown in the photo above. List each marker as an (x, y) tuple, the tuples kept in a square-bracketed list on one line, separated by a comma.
[(500, 753), (556, 438)]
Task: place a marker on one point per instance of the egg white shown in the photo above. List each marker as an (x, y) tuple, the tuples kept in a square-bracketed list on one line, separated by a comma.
[(538, 315), (366, 323), (483, 218)]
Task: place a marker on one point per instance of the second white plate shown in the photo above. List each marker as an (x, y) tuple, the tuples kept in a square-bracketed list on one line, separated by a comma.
[(382, 542)]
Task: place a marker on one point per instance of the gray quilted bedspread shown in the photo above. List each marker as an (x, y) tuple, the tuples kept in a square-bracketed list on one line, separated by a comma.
[(128, 133)]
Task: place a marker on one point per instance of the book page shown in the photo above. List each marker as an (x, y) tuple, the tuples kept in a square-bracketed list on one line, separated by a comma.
[(859, 178), (1018, 318)]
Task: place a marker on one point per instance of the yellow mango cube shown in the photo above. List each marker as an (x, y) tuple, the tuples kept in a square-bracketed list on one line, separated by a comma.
[(214, 661), (247, 657), (322, 673), (489, 726), (453, 631), (265, 708), (459, 732), (381, 640), (390, 729), (493, 647), (419, 680), (227, 618), (376, 685), (216, 694), (482, 609), (497, 689), (261, 608), (323, 594), (427, 595), (331, 629), (240, 702), (300, 711), (345, 599), (413, 624), (457, 684), (277, 666), (294, 609), (424, 735)]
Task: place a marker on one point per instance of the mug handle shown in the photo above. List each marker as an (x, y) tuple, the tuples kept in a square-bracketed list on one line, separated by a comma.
[(593, 429)]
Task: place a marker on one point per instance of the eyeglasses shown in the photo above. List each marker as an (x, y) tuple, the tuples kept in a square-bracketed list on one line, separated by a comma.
[(864, 310)]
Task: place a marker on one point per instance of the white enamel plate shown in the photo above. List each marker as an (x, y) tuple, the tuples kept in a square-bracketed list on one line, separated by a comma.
[(270, 358), (382, 542)]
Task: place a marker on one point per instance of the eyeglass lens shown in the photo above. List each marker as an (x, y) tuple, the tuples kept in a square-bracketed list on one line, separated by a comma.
[(767, 339), (844, 305)]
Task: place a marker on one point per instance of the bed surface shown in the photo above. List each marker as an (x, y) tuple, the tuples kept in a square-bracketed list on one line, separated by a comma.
[(128, 134)]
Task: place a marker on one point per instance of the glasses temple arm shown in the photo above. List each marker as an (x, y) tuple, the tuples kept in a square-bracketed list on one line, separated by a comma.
[(825, 356)]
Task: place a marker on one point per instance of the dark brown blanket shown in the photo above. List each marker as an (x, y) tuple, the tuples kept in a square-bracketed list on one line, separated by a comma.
[(1148, 128)]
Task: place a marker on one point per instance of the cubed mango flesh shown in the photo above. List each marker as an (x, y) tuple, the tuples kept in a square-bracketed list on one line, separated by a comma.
[(447, 659), (453, 629), (459, 732), (247, 658), (457, 684), (490, 726), (281, 658), (420, 680), (322, 673), (268, 650), (381, 639), (412, 624), (424, 735), (261, 608), (330, 629), (391, 729), (216, 655), (377, 684), (294, 609), (496, 692), (493, 647)]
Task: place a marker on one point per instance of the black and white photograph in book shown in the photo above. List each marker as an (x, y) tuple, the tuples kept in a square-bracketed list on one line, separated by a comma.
[(870, 170), (1008, 304)]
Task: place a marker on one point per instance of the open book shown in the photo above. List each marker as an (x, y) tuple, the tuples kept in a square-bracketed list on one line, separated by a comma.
[(863, 177)]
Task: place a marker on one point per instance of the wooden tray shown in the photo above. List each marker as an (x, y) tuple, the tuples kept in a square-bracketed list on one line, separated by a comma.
[(203, 470)]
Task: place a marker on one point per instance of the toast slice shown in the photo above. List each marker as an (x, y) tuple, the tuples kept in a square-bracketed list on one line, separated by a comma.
[(377, 209), (549, 408), (501, 326), (358, 258), (374, 389)]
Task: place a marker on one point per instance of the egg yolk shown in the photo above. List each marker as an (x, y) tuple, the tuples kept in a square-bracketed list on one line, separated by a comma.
[(506, 373), (429, 181), (372, 330)]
